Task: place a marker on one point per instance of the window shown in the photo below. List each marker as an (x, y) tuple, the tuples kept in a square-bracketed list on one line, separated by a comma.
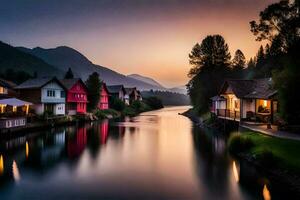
[(50, 93), (62, 94)]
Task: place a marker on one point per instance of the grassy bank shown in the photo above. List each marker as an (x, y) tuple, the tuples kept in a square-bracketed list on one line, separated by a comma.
[(270, 152)]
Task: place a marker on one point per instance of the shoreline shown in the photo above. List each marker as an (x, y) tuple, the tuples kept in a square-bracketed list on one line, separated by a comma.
[(279, 176)]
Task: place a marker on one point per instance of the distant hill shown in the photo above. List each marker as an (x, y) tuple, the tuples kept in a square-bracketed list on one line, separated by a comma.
[(146, 80), (13, 58), (180, 89), (64, 57), (168, 98)]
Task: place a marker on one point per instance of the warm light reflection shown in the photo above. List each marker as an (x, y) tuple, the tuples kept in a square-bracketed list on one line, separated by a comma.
[(27, 149), (14, 108), (266, 193), (27, 109), (235, 172), (16, 173), (1, 165)]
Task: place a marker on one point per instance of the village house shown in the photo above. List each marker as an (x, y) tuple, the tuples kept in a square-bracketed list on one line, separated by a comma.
[(7, 89), (246, 100), (133, 95), (118, 91), (76, 98), (47, 95), (104, 98)]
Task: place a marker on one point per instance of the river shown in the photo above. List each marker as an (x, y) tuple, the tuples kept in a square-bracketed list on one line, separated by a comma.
[(157, 155)]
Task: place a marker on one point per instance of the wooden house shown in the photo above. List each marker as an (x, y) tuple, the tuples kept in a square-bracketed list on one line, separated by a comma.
[(47, 95), (132, 94), (117, 91), (7, 89), (253, 100), (13, 113), (76, 98), (104, 98)]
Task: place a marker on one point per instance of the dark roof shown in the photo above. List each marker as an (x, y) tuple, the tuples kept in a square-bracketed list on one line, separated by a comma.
[(115, 88), (130, 90), (218, 98), (69, 83), (7, 84), (256, 88), (37, 83)]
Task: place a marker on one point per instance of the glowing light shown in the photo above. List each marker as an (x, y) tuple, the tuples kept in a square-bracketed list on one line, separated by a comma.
[(265, 103), (15, 171), (1, 165), (27, 150), (235, 172), (14, 108), (266, 193), (27, 109)]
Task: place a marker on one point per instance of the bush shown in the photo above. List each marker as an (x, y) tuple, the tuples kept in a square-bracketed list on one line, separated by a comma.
[(103, 114), (266, 158), (129, 111), (116, 104), (238, 144), (153, 102)]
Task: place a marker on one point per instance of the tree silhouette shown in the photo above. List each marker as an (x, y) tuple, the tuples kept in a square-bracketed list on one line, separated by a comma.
[(69, 74), (239, 60), (210, 66), (93, 85)]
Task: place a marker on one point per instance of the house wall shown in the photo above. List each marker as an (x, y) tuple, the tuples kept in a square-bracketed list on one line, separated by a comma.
[(3, 90), (59, 109), (104, 99), (59, 96), (39, 108), (247, 105), (77, 94), (121, 95), (12, 122)]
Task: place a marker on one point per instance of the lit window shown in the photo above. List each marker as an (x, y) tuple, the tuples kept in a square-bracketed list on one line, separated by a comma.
[(265, 103)]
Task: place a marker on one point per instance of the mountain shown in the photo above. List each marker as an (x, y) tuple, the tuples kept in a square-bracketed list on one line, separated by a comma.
[(180, 89), (168, 98), (146, 80), (13, 58), (64, 57)]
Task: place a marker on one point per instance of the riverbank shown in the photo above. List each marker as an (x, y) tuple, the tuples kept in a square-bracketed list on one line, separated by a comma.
[(276, 157)]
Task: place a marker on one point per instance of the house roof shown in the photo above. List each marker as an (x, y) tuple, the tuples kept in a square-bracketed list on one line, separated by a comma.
[(7, 84), (130, 90), (218, 98), (37, 83), (14, 102), (104, 86), (69, 83), (115, 88), (255, 88)]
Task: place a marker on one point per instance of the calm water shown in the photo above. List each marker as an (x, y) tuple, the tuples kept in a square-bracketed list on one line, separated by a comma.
[(158, 155)]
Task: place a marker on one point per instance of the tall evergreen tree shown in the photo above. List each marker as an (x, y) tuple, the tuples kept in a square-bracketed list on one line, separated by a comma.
[(210, 66), (239, 60), (93, 85), (69, 74)]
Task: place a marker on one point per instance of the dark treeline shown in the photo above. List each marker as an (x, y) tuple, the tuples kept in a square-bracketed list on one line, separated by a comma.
[(168, 98), (16, 77), (279, 26)]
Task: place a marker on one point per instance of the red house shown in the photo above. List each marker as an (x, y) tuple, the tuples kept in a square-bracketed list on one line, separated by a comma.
[(76, 99), (104, 98)]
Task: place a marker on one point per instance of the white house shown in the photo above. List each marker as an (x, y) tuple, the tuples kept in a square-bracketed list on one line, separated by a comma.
[(47, 94)]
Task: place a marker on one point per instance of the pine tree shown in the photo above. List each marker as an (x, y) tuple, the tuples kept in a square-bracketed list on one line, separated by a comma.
[(69, 74), (239, 60), (93, 85)]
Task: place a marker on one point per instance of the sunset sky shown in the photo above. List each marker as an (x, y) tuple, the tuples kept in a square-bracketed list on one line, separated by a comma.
[(148, 37)]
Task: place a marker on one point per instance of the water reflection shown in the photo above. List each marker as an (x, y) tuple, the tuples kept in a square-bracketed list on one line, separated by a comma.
[(236, 172), (15, 171), (266, 193), (158, 155)]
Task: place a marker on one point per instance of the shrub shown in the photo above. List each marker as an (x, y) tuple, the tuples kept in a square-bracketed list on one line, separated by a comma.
[(153, 102), (238, 144), (266, 158), (117, 104), (129, 111)]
